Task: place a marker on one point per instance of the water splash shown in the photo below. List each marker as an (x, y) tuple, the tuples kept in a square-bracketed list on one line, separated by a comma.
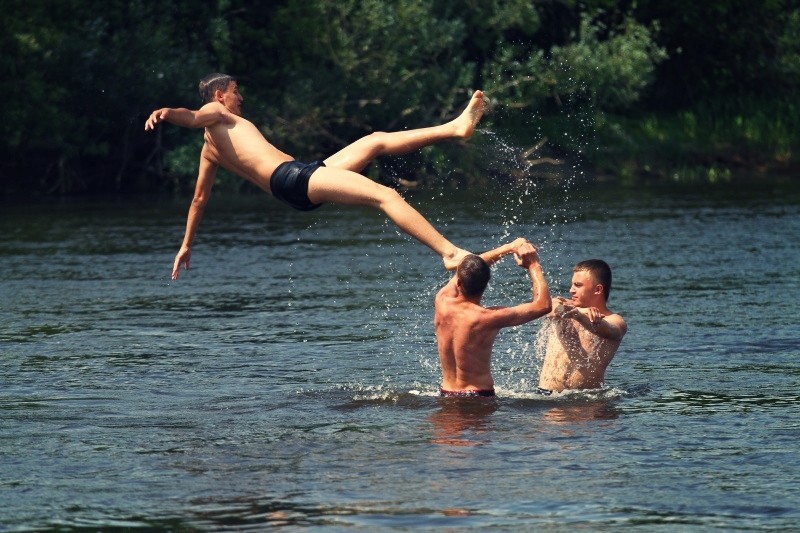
[(532, 182)]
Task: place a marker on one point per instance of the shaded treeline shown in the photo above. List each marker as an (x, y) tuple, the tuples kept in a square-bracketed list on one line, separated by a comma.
[(82, 76)]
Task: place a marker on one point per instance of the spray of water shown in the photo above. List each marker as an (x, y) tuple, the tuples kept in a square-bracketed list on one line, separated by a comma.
[(537, 192), (533, 183)]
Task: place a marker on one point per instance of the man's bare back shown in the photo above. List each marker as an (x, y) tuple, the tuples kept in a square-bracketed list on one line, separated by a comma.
[(465, 342), (466, 330)]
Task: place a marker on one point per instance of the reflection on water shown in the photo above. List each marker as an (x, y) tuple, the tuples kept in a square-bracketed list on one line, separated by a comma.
[(461, 421), (290, 377), (569, 413)]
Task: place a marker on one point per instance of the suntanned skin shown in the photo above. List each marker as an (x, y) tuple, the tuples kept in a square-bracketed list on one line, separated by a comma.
[(586, 335), (234, 143), (466, 330)]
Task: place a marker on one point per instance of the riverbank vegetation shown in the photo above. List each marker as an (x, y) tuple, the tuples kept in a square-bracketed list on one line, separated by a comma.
[(678, 91), (718, 142)]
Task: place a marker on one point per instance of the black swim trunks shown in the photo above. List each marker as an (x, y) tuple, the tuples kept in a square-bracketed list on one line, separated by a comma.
[(466, 393), (289, 183)]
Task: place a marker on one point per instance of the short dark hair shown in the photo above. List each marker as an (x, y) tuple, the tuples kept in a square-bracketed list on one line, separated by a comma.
[(211, 83), (600, 271), (473, 273)]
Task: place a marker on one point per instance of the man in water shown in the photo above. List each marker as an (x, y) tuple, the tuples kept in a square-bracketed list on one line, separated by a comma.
[(236, 145), (466, 330), (585, 334)]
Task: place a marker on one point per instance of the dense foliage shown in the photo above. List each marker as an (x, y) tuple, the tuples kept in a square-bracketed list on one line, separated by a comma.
[(317, 74)]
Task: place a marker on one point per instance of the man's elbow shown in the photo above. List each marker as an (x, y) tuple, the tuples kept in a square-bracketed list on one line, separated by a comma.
[(544, 304), (535, 311), (544, 309)]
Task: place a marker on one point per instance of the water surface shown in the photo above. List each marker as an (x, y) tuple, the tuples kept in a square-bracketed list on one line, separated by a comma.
[(289, 377)]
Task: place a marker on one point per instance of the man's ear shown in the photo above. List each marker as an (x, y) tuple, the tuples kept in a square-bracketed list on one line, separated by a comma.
[(219, 96), (598, 289), (458, 285)]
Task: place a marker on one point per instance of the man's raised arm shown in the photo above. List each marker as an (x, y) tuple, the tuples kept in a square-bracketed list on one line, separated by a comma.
[(503, 317), (208, 115), (527, 257)]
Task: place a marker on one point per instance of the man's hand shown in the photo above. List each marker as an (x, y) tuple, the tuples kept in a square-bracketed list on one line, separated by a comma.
[(519, 241), (526, 255), (183, 257), (594, 315), (159, 115), (566, 309)]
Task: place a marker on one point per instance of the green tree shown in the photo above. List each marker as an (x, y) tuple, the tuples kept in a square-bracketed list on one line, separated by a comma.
[(317, 74), (610, 72), (722, 50), (83, 73)]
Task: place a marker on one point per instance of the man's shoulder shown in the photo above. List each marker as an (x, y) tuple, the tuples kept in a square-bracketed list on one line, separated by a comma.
[(487, 316), (212, 105), (453, 304), (618, 321)]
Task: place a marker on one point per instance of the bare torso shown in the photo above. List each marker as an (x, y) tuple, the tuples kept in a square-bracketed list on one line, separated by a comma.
[(240, 147), (465, 342), (575, 358)]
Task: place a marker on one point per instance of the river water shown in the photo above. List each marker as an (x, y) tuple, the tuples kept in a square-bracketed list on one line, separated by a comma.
[(289, 378)]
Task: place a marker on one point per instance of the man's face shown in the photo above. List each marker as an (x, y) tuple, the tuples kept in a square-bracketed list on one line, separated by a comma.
[(584, 288), (232, 100)]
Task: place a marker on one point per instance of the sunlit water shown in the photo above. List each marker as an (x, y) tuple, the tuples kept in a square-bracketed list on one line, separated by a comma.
[(289, 377)]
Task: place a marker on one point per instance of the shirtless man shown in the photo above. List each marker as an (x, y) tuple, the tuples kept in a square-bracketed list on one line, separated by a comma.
[(585, 334), (466, 330), (236, 145)]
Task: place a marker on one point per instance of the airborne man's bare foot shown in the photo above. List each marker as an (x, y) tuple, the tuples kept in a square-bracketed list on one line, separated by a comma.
[(465, 123)]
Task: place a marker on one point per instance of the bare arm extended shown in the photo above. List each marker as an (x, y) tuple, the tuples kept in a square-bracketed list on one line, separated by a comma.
[(205, 180), (527, 258), (611, 327), (208, 115)]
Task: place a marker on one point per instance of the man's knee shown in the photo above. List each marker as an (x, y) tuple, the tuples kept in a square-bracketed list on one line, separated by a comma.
[(387, 195), (376, 140)]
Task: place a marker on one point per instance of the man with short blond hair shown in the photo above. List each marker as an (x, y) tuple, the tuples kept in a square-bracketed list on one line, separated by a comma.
[(585, 333)]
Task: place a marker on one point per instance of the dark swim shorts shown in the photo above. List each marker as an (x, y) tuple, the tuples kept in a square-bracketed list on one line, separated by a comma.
[(289, 183), (466, 393)]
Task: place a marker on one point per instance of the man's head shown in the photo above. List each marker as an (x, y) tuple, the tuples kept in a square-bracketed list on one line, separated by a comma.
[(223, 89), (473, 275), (213, 83), (590, 279)]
